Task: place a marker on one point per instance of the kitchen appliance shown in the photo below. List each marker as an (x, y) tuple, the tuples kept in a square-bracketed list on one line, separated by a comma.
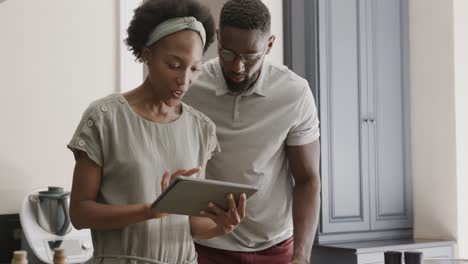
[(46, 225)]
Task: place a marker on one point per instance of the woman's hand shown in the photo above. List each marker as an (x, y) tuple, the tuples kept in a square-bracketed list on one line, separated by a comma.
[(150, 214), (167, 179), (228, 220)]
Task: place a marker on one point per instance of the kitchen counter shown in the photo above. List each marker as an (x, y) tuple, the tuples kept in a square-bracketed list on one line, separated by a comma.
[(371, 252)]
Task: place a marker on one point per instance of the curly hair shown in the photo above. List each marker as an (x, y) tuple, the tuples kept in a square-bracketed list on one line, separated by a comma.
[(153, 12), (245, 14)]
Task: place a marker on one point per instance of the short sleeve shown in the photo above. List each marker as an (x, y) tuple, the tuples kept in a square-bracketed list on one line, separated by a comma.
[(213, 146), (306, 128), (88, 136)]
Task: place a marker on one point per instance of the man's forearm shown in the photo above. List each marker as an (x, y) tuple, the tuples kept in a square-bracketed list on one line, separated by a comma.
[(306, 210)]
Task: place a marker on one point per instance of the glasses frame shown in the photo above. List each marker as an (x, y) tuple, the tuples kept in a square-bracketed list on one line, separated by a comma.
[(241, 56)]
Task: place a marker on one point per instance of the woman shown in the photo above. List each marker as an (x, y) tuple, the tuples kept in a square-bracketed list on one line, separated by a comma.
[(125, 142)]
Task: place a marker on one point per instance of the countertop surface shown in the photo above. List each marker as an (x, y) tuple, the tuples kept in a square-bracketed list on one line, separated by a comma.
[(388, 245)]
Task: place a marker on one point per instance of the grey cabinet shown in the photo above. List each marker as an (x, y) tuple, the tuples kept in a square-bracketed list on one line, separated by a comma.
[(362, 47), (343, 107)]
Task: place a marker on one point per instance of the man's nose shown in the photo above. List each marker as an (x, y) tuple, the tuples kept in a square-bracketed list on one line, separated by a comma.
[(238, 65)]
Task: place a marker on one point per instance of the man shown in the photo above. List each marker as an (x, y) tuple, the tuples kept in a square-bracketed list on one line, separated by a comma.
[(268, 130)]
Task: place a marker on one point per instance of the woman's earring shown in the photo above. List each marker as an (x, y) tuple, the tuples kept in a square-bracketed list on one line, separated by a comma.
[(145, 61)]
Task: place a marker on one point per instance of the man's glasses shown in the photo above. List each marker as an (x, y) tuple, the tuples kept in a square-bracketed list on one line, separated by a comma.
[(249, 58)]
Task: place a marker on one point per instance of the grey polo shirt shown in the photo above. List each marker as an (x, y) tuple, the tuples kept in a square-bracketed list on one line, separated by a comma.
[(253, 130)]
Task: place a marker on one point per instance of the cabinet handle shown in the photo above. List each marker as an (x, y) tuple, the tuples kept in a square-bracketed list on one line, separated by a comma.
[(368, 120)]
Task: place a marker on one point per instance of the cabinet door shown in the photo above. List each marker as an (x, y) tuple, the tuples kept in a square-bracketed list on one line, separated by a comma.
[(390, 201), (345, 183)]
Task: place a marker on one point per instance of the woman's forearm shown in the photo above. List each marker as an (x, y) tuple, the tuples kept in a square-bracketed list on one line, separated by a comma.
[(90, 214)]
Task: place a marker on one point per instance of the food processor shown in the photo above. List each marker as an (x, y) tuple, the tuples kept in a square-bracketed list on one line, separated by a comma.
[(46, 225)]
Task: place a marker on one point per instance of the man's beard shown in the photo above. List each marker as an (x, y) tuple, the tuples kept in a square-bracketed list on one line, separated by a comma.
[(240, 87)]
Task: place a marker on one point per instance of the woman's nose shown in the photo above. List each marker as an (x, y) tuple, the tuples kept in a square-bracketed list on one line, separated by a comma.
[(184, 79)]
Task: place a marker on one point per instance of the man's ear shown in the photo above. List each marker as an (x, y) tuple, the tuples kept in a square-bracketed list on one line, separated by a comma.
[(271, 41)]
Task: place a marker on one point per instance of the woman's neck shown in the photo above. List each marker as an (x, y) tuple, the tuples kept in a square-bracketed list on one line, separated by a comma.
[(147, 102)]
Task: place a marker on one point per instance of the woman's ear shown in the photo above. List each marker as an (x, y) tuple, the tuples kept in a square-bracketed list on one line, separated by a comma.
[(146, 55)]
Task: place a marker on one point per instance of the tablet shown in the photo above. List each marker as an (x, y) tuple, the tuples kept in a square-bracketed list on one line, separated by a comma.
[(189, 196)]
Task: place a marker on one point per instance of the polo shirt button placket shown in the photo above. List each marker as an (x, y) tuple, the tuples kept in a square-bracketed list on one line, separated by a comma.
[(236, 107)]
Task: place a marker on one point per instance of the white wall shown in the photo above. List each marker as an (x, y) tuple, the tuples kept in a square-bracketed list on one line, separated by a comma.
[(461, 109), (433, 118), (276, 10), (55, 57), (215, 7), (439, 96)]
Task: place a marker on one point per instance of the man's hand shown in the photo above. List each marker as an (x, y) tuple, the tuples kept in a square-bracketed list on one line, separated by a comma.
[(299, 261), (228, 220)]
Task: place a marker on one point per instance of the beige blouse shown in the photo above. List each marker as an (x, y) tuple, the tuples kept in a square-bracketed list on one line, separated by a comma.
[(134, 153)]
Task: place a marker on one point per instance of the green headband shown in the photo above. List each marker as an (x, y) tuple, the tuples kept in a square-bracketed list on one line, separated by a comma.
[(174, 25)]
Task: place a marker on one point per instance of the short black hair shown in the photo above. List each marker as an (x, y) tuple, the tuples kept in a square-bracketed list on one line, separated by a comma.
[(245, 14), (153, 12)]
